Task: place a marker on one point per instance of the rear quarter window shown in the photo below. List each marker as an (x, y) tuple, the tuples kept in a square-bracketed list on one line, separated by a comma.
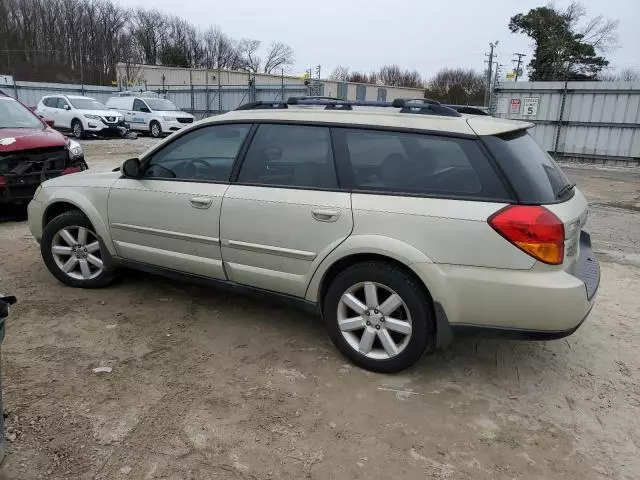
[(534, 175), (420, 164)]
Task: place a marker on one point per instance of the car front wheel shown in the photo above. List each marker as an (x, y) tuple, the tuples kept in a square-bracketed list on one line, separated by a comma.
[(156, 129), (72, 252), (379, 316), (77, 129)]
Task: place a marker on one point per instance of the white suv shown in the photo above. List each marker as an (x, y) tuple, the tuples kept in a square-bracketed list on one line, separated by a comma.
[(81, 115), (400, 225)]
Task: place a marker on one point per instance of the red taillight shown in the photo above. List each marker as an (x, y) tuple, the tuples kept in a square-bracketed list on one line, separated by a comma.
[(534, 230), (69, 170), (3, 182)]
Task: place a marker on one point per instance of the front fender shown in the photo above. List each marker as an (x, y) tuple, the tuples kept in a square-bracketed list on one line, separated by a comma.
[(85, 200), (365, 244)]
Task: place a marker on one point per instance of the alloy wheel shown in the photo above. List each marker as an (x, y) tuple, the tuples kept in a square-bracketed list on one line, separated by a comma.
[(76, 252), (374, 320)]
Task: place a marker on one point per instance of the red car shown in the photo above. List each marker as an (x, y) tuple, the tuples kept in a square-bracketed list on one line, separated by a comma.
[(31, 152)]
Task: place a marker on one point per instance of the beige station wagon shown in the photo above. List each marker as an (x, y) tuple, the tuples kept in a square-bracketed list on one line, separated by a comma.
[(400, 223)]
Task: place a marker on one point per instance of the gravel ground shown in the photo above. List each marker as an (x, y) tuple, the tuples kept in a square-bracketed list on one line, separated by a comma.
[(207, 385)]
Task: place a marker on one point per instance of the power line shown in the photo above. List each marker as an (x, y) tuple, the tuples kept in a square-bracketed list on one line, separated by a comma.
[(519, 62)]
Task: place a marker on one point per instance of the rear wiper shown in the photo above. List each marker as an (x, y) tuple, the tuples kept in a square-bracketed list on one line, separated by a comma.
[(566, 189)]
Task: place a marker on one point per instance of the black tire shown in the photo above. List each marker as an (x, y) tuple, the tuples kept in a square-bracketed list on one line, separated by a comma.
[(69, 219), (155, 129), (77, 129), (412, 293)]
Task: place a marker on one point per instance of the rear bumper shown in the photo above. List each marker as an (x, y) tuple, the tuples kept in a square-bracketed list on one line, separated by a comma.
[(520, 304)]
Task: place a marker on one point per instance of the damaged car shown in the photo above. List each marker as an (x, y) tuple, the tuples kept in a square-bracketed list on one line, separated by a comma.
[(31, 152)]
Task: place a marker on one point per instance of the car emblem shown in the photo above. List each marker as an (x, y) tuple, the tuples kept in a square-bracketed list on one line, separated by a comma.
[(7, 141)]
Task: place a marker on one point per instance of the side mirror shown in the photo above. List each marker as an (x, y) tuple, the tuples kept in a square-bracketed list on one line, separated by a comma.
[(131, 168), (5, 301), (50, 123), (67, 107), (145, 110)]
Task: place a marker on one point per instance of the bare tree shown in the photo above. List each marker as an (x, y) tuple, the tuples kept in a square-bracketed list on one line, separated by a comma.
[(599, 32), (220, 50), (624, 75), (390, 75), (340, 74), (248, 50), (279, 56), (149, 30), (457, 86)]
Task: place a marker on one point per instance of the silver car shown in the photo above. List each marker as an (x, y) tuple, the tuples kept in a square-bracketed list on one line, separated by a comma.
[(400, 223)]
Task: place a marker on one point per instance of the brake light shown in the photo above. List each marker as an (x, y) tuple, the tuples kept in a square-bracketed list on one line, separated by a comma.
[(3, 182), (533, 229), (69, 170)]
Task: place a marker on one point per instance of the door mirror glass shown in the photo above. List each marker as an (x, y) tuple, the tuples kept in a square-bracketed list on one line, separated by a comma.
[(66, 106), (131, 168)]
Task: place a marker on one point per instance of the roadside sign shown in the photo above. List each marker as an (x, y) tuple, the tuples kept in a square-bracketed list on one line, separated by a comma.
[(502, 105), (514, 106), (530, 106), (6, 80)]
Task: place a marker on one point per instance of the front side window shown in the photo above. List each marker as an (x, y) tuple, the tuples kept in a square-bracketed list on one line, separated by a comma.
[(206, 154), (420, 164), (290, 155), (61, 103), (139, 106)]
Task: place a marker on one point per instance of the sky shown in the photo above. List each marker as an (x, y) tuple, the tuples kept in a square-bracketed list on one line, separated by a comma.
[(425, 35)]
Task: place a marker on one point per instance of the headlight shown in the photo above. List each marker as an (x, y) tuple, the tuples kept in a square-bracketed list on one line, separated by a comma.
[(169, 119), (75, 149), (92, 117)]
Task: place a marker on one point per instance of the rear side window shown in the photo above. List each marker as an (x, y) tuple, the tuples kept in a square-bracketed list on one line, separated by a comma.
[(420, 164), (290, 155), (535, 176)]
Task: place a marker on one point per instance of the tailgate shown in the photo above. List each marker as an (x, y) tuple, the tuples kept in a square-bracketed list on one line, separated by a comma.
[(573, 214)]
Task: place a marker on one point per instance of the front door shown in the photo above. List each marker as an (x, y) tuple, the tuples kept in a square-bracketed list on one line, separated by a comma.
[(64, 115), (140, 117), (285, 213), (169, 217)]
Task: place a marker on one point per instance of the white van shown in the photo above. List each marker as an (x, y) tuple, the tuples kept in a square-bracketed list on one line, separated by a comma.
[(158, 116)]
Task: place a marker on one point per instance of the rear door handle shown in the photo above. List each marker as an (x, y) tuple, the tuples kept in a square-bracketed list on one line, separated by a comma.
[(325, 215), (201, 202)]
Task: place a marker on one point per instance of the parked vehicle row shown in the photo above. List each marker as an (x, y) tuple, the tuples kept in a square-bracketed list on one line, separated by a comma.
[(399, 225), (85, 115)]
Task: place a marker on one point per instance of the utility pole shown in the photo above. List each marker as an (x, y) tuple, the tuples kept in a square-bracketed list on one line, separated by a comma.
[(519, 63), (318, 72), (490, 55)]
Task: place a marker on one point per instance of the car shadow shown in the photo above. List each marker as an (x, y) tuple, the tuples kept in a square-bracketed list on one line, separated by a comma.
[(13, 213)]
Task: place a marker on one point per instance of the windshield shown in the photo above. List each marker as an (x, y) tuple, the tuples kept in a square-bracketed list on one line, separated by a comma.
[(15, 115), (87, 104), (161, 104)]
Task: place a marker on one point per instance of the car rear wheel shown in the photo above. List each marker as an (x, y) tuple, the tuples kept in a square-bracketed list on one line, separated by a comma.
[(77, 129), (155, 129), (379, 316), (72, 252)]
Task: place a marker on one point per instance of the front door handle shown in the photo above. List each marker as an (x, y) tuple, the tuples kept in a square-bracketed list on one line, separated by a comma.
[(200, 202), (325, 215)]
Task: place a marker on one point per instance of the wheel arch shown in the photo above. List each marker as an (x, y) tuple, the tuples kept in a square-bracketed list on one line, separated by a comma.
[(76, 201)]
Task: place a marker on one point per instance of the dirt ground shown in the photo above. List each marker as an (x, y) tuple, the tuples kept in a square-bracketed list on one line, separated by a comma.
[(208, 385)]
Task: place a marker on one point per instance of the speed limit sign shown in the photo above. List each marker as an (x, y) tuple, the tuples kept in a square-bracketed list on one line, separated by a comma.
[(530, 106)]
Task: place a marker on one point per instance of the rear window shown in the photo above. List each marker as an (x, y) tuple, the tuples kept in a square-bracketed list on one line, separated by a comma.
[(535, 176), (420, 164)]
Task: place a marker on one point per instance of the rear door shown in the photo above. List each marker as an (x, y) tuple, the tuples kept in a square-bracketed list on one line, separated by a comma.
[(285, 212)]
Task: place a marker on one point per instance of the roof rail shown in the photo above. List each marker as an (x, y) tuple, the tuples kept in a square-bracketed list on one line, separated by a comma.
[(406, 105), (469, 109), (263, 105)]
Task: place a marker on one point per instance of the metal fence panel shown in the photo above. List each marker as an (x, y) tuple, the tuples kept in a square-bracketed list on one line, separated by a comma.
[(581, 121)]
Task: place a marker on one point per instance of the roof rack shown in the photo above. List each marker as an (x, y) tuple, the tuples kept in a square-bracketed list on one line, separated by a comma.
[(422, 106)]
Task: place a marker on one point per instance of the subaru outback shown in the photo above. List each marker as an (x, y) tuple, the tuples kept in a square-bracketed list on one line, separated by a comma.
[(401, 224)]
